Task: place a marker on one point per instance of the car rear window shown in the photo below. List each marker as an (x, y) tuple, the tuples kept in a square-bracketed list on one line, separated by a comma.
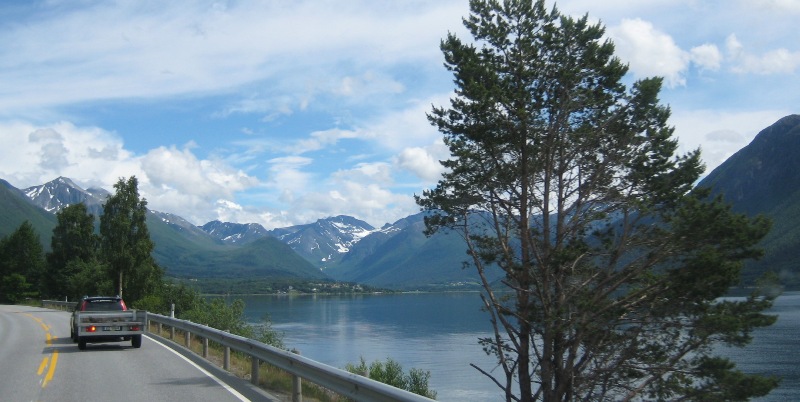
[(104, 305)]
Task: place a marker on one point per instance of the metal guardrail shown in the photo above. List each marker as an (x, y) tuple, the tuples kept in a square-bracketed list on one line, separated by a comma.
[(342, 382), (60, 305)]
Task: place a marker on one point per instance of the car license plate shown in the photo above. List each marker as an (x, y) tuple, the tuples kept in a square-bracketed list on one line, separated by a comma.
[(112, 328)]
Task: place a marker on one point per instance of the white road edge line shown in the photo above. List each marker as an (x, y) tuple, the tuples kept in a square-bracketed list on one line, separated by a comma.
[(204, 371)]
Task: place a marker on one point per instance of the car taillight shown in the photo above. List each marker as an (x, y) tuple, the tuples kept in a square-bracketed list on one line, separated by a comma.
[(134, 327), (91, 329)]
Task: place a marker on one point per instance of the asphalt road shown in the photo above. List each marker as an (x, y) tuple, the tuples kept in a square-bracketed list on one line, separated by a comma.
[(39, 362)]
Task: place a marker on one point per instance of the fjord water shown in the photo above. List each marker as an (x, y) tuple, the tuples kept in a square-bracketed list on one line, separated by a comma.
[(438, 332)]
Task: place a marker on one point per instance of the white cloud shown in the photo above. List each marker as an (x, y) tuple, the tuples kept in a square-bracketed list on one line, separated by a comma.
[(707, 57), (320, 139), (35, 154), (287, 179), (176, 180), (368, 201), (368, 84), (734, 47), (377, 172), (776, 61), (779, 61), (720, 133), (110, 50), (405, 127), (171, 179), (649, 51), (229, 211), (318, 108), (782, 6), (423, 162)]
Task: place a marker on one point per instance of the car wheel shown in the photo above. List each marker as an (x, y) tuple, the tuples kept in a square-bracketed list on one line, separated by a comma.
[(136, 341), (81, 344)]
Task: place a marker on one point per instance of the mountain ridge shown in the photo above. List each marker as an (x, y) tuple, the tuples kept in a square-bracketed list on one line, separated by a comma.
[(184, 249), (764, 178)]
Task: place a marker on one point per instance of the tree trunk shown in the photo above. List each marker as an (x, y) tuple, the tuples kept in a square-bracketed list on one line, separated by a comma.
[(119, 287)]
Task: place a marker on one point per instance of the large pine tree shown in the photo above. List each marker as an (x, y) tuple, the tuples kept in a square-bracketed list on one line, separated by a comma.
[(570, 182)]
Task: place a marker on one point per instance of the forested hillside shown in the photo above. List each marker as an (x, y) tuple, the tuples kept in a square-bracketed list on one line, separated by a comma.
[(15, 209), (764, 178)]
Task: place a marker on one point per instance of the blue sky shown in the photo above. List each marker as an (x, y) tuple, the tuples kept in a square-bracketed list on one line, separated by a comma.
[(283, 112)]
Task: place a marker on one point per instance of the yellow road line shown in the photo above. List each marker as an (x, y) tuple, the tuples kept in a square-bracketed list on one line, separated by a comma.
[(39, 320), (51, 370), (43, 365)]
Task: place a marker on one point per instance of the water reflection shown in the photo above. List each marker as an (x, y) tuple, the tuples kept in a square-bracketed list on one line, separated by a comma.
[(434, 332), (438, 332)]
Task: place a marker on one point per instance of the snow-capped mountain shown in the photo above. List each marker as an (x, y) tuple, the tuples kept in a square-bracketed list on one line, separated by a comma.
[(179, 224), (182, 248), (326, 240), (397, 255), (325, 243), (235, 233), (321, 243), (61, 192)]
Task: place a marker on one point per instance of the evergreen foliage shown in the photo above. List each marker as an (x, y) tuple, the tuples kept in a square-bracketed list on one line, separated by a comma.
[(73, 245), (16, 208), (21, 264), (612, 266)]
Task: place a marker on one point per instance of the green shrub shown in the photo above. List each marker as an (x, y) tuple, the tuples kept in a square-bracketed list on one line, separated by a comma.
[(391, 373)]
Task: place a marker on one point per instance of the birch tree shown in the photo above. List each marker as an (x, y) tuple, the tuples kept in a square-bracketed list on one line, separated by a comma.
[(125, 242)]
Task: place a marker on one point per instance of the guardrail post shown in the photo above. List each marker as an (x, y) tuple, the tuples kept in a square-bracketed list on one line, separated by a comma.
[(226, 361), (172, 333), (254, 370), (297, 389), (205, 348), (187, 338), (297, 384)]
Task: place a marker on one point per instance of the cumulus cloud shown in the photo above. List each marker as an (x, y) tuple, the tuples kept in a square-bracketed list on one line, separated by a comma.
[(286, 176), (176, 180), (734, 47), (776, 61), (171, 179), (53, 151), (649, 51), (779, 61), (368, 201), (35, 154), (707, 57), (423, 162)]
